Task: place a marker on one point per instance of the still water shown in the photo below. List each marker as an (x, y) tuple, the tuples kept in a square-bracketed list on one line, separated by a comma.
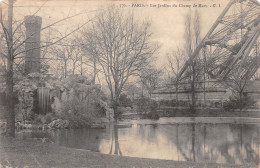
[(203, 142)]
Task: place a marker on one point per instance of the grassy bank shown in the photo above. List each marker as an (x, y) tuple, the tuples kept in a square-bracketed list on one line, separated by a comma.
[(35, 153)]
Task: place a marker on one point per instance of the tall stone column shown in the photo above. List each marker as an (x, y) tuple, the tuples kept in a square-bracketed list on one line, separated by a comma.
[(32, 44)]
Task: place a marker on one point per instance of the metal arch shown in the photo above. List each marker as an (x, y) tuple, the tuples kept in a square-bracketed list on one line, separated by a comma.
[(219, 37)]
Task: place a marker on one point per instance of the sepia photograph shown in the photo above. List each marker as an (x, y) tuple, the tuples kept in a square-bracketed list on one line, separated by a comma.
[(129, 83)]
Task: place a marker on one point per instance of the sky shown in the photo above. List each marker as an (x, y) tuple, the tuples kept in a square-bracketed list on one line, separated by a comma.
[(167, 17), (167, 22)]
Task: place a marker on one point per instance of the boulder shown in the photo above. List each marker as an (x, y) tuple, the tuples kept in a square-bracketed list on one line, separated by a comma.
[(44, 127), (128, 108), (20, 125), (2, 124)]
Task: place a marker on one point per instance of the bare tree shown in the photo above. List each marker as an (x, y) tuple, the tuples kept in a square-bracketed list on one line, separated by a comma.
[(150, 79), (8, 33), (89, 49), (238, 82), (69, 55), (175, 59), (132, 90), (192, 39), (122, 46)]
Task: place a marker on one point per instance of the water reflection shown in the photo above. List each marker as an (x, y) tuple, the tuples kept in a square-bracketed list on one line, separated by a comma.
[(114, 141), (218, 143)]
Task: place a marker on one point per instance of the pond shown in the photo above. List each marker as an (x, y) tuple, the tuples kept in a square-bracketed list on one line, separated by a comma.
[(198, 142)]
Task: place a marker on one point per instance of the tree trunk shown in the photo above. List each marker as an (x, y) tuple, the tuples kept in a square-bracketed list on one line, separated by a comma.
[(115, 105), (176, 94), (193, 96), (94, 71), (65, 69), (240, 100), (115, 108), (81, 67), (10, 128), (73, 68)]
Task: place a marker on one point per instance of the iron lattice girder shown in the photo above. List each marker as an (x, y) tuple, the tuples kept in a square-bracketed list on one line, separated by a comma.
[(232, 36)]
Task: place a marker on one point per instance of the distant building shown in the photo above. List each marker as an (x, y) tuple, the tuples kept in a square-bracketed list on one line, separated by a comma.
[(213, 92)]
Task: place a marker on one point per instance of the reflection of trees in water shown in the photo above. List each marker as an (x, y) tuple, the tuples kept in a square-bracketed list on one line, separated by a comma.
[(222, 143), (185, 142), (180, 151), (148, 132), (79, 138), (230, 143), (247, 136), (193, 141), (115, 141)]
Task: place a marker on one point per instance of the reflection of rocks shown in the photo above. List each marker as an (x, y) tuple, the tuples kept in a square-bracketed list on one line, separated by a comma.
[(43, 140), (59, 123), (98, 126)]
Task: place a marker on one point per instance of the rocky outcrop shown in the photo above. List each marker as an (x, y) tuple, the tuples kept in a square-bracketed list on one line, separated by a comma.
[(59, 124), (20, 125)]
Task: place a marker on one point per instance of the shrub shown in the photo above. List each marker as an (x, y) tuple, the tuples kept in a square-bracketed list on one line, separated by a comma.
[(125, 101), (168, 102), (152, 114), (235, 103), (79, 102), (79, 113), (145, 104)]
